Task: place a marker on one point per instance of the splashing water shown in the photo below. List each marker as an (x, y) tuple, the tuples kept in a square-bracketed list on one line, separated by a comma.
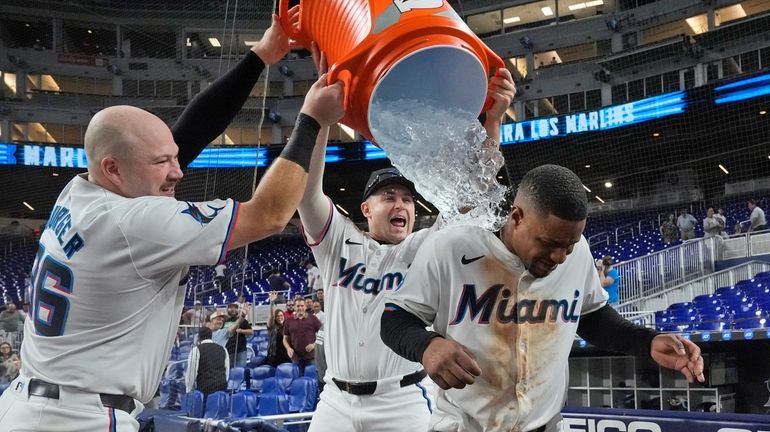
[(444, 152)]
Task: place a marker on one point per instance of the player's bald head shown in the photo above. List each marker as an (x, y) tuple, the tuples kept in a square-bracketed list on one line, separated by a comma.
[(553, 189), (120, 131)]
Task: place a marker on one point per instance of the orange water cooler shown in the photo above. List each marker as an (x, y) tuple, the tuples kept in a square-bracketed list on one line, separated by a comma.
[(389, 50)]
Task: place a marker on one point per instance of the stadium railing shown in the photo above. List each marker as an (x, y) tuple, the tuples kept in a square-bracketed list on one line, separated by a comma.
[(746, 245), (644, 309)]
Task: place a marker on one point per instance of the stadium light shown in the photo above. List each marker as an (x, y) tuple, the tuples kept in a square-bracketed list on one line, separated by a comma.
[(598, 198), (511, 20), (547, 11), (588, 166), (342, 189), (656, 134), (214, 42), (342, 209), (424, 206), (28, 206), (722, 167), (586, 188), (608, 184), (763, 112)]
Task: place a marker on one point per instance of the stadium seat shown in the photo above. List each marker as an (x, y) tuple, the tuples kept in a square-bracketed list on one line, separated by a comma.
[(192, 404), (237, 378), (310, 371), (245, 404), (218, 405), (274, 385), (262, 372), (257, 360), (273, 404), (286, 372), (303, 394), (749, 319)]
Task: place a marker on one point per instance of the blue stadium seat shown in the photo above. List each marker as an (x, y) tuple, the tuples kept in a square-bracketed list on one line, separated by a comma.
[(192, 404), (273, 404), (286, 372), (310, 371), (749, 319), (218, 405), (262, 372), (303, 395), (274, 385), (245, 404), (237, 378)]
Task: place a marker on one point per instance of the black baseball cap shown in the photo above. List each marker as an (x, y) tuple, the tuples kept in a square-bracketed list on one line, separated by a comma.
[(384, 177)]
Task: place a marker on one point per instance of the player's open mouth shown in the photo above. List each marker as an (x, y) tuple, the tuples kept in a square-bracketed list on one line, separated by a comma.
[(167, 190), (398, 222)]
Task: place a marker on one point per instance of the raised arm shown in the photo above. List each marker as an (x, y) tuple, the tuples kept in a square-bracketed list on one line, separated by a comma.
[(502, 91), (212, 110), (314, 206), (283, 185)]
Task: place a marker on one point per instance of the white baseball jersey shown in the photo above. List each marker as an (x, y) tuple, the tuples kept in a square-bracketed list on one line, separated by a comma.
[(476, 292), (108, 288), (314, 279), (358, 271)]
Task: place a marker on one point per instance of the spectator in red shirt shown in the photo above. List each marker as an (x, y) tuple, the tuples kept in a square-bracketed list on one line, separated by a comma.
[(299, 336)]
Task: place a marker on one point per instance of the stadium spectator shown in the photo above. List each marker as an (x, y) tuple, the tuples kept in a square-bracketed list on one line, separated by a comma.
[(7, 369), (609, 277), (758, 221), (314, 281), (720, 216), (686, 224), (289, 312), (277, 282), (10, 368), (207, 366), (196, 315), (216, 323), (712, 225), (219, 278), (668, 230), (299, 335), (16, 229), (320, 357), (318, 296), (239, 327), (11, 323), (276, 350)]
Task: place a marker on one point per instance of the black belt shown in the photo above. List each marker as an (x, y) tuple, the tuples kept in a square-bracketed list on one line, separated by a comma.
[(368, 387), (51, 391), (540, 429)]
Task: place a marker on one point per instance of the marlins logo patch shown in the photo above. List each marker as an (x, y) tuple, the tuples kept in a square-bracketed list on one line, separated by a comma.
[(203, 216)]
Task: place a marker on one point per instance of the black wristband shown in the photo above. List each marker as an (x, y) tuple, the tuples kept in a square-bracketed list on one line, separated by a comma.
[(299, 149)]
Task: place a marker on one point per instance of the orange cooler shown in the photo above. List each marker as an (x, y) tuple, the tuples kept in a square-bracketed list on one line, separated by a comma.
[(388, 50)]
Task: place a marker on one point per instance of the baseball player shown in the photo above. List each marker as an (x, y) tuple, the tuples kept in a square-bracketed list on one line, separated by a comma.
[(109, 277), (368, 387), (506, 307)]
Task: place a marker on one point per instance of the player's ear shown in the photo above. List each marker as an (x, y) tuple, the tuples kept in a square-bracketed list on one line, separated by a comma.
[(517, 214), (365, 209), (109, 168)]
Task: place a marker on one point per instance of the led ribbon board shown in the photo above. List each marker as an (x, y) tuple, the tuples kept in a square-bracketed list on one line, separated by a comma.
[(595, 121)]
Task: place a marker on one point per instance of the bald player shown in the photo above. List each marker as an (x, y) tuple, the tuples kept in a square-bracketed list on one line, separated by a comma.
[(506, 307), (109, 277), (368, 387)]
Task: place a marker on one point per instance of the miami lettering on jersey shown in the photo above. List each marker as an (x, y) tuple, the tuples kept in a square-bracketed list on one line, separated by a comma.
[(61, 223), (355, 277), (496, 300)]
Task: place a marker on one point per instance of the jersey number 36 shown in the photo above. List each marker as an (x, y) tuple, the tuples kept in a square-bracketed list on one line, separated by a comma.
[(51, 280)]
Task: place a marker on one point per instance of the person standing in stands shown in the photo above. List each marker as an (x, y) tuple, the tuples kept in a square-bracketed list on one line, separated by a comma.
[(11, 324), (276, 350), (712, 225), (239, 327), (686, 224), (757, 218), (207, 366), (722, 219), (299, 336), (609, 278), (669, 233)]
